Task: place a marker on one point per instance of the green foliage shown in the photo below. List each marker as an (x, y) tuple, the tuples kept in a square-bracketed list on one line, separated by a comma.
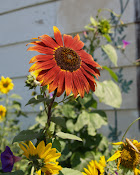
[(19, 172), (72, 125), (111, 52), (26, 135), (69, 171), (37, 99), (111, 72), (109, 93), (67, 136)]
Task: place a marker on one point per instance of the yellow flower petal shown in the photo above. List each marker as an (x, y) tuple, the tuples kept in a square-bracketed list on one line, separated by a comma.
[(40, 148), (136, 171), (46, 154), (115, 156), (32, 150), (26, 153), (118, 143), (102, 161)]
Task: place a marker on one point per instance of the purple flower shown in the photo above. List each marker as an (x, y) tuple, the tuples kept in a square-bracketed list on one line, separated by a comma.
[(8, 160), (51, 95), (125, 43)]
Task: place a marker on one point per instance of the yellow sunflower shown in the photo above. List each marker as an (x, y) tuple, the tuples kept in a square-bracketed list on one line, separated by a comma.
[(128, 155), (63, 64), (6, 85), (95, 168), (43, 157), (2, 112)]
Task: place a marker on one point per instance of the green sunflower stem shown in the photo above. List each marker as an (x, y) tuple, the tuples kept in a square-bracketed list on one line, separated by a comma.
[(32, 170), (129, 127), (50, 107)]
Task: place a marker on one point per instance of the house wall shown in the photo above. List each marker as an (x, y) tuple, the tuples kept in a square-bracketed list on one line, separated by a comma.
[(22, 20)]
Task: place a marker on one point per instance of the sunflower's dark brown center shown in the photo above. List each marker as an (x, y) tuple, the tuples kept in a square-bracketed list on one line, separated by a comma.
[(129, 157), (67, 59), (5, 85), (1, 112)]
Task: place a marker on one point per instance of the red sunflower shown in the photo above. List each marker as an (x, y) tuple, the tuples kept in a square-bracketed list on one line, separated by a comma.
[(63, 64)]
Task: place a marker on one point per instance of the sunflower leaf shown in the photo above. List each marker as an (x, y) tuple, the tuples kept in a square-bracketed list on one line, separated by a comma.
[(38, 99), (93, 21), (111, 52), (59, 121), (69, 171), (26, 135), (79, 160), (68, 136), (109, 93), (93, 120), (16, 96), (113, 74)]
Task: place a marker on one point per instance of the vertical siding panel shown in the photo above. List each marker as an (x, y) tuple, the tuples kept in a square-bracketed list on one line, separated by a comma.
[(137, 19)]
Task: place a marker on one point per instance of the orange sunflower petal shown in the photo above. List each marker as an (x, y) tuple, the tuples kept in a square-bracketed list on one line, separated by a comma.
[(50, 75), (67, 40), (53, 85), (41, 49), (68, 82), (85, 82), (42, 65), (74, 89), (87, 68), (89, 76), (78, 84), (92, 85), (61, 82), (41, 58), (48, 41), (75, 40), (58, 36)]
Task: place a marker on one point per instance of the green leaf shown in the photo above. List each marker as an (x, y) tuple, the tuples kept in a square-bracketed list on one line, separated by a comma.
[(56, 144), (59, 121), (111, 52), (88, 101), (111, 72), (19, 172), (37, 99), (82, 120), (93, 120), (16, 96), (93, 21), (69, 171), (80, 160), (68, 111), (108, 38), (96, 120), (89, 28), (26, 135), (70, 125), (68, 136), (109, 93)]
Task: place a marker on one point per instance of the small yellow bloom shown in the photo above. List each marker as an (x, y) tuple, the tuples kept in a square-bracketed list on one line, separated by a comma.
[(2, 112), (6, 85), (95, 168), (43, 157), (128, 155)]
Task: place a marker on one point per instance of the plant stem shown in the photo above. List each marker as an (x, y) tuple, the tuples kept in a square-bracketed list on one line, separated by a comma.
[(129, 127), (50, 107), (32, 170)]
